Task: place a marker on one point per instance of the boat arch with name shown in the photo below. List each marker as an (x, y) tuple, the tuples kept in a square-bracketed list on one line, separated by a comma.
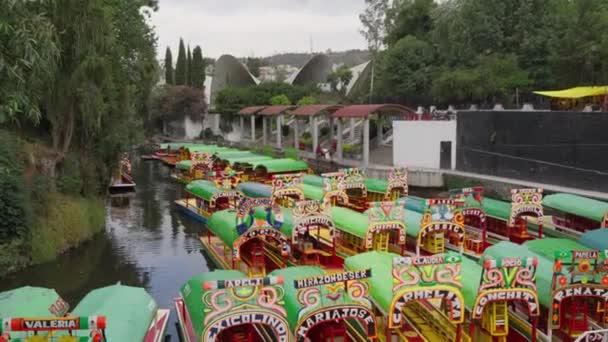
[(427, 277), (249, 227), (527, 201), (397, 184), (442, 215), (286, 187), (578, 274), (384, 218), (334, 192), (309, 215), (214, 303), (319, 304)]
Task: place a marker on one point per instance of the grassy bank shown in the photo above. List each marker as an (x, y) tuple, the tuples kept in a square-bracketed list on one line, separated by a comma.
[(37, 222)]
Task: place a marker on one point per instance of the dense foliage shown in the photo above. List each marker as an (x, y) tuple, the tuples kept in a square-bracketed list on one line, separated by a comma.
[(483, 51), (169, 72), (181, 66)]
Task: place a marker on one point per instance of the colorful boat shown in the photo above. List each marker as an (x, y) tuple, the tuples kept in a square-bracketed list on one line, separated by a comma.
[(595, 239), (122, 179), (131, 313), (31, 301), (203, 198), (237, 239), (475, 218), (407, 306), (262, 171), (227, 306), (572, 289), (576, 214), (324, 306)]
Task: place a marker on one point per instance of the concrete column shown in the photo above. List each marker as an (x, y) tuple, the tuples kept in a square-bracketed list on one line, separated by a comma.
[(339, 144), (366, 142), (379, 131), (296, 135), (253, 128), (315, 133), (331, 128), (352, 129), (242, 119), (264, 124), (279, 129)]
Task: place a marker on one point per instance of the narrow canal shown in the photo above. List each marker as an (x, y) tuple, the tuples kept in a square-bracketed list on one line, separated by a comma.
[(147, 243)]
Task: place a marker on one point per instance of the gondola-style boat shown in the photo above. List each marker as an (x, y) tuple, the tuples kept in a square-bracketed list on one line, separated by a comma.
[(238, 238), (122, 179), (576, 214), (225, 305), (263, 170), (572, 289), (198, 167), (113, 313), (204, 198), (415, 298), (327, 307)]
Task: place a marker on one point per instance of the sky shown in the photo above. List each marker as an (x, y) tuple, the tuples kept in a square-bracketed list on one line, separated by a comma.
[(259, 28)]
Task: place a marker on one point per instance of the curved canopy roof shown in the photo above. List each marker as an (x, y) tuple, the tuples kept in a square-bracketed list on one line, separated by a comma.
[(223, 223), (312, 192), (350, 221), (381, 282), (128, 310), (575, 93), (363, 111), (292, 306), (184, 165), (275, 110), (312, 110), (192, 293), (470, 273), (229, 71), (415, 204), (313, 180), (251, 110), (255, 189), (596, 239), (281, 165), (577, 205), (315, 71), (204, 189), (232, 160), (496, 208), (27, 301), (544, 269), (548, 246), (376, 185)]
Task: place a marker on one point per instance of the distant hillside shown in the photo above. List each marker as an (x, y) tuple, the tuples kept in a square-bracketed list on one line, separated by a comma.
[(350, 58)]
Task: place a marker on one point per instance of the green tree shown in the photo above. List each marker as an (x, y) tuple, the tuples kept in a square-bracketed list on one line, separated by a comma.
[(169, 67), (189, 68), (28, 57), (254, 64), (409, 17), (181, 67), (373, 23), (198, 69), (280, 100), (406, 69)]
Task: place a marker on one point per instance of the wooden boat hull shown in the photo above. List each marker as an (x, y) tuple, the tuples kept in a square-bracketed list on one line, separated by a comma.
[(189, 211)]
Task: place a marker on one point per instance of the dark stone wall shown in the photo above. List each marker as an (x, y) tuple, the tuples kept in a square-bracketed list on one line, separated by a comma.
[(562, 148)]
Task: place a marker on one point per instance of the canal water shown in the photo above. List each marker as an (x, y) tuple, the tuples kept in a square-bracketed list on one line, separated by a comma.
[(146, 243)]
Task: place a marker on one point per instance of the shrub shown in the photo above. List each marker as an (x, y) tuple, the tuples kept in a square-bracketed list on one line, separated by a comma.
[(69, 180)]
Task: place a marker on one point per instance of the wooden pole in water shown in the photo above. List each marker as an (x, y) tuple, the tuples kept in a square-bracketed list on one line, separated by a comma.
[(534, 324)]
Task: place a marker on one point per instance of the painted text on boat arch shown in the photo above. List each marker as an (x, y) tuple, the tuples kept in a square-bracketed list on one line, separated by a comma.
[(578, 274), (397, 179), (385, 216), (422, 278), (245, 214), (507, 279), (287, 185), (442, 215), (526, 201), (309, 215)]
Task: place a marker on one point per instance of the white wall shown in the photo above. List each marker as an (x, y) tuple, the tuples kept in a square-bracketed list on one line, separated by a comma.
[(418, 143)]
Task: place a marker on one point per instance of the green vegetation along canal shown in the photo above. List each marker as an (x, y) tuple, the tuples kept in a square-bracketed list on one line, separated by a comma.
[(147, 243)]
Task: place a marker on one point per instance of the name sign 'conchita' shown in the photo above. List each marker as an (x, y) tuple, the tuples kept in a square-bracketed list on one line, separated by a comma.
[(507, 279), (334, 297), (576, 275), (423, 278)]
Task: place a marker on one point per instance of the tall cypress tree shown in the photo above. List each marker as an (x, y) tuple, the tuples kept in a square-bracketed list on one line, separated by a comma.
[(189, 68), (169, 78), (181, 65), (198, 68)]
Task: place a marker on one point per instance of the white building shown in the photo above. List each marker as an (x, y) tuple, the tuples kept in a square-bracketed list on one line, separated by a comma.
[(425, 144)]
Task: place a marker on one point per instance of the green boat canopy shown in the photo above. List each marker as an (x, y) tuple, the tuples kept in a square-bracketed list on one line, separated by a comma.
[(577, 205), (381, 282), (207, 148), (312, 192), (203, 189), (192, 293), (281, 165), (376, 185), (548, 246), (470, 273), (292, 306), (231, 153), (544, 269), (28, 301), (313, 180), (177, 146), (350, 221), (497, 209), (184, 165), (595, 239), (128, 310), (233, 160), (255, 189), (416, 204)]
